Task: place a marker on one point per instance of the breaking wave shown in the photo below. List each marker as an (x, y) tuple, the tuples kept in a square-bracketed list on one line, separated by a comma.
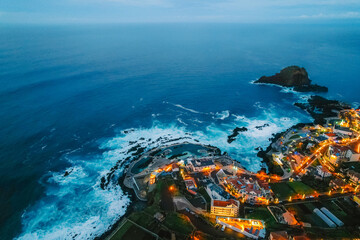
[(85, 200), (222, 115)]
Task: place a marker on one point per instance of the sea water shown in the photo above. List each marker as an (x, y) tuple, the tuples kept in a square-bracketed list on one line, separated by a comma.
[(67, 93)]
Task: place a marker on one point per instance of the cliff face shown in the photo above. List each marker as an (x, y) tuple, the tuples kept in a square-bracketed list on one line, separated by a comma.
[(293, 76)]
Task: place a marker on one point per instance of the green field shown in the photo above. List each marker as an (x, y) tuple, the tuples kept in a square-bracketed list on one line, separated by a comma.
[(203, 192), (301, 188), (286, 189), (178, 223), (282, 190), (173, 222), (261, 213), (119, 234), (318, 233)]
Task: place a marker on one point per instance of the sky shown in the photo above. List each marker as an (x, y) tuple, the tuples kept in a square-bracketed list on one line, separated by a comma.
[(124, 11)]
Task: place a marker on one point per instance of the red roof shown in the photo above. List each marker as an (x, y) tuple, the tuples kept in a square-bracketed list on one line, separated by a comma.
[(192, 192), (218, 203), (250, 187), (330, 134), (281, 235), (301, 238), (339, 149)]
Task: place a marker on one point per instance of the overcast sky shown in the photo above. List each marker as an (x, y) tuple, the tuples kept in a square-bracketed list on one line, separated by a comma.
[(244, 11)]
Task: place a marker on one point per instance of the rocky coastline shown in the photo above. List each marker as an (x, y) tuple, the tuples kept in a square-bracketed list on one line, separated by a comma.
[(320, 108), (295, 77)]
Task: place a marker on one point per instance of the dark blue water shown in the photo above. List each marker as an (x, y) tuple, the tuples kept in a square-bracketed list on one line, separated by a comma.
[(66, 92)]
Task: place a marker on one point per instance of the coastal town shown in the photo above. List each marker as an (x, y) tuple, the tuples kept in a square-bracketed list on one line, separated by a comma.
[(309, 189)]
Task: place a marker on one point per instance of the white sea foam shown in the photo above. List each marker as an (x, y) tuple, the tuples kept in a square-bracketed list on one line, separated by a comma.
[(238, 117), (155, 115), (222, 115), (184, 108), (258, 105), (181, 121), (300, 95), (288, 90), (197, 121), (75, 206)]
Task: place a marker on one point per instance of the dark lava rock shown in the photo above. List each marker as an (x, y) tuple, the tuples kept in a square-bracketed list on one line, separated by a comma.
[(67, 173), (236, 132), (261, 127), (293, 76), (320, 108)]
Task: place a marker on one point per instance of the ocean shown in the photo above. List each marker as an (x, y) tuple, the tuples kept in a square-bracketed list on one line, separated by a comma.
[(68, 92)]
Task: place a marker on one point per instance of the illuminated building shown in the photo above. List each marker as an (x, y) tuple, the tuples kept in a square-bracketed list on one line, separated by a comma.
[(354, 176), (337, 183), (289, 218), (357, 200), (251, 189), (228, 208), (249, 227), (342, 130), (190, 183), (203, 164), (221, 176), (337, 154), (322, 171)]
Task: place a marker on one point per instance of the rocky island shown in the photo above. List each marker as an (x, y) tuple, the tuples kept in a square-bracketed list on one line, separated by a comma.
[(293, 76)]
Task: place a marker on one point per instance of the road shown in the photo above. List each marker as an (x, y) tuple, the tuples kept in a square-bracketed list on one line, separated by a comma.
[(315, 155), (182, 203)]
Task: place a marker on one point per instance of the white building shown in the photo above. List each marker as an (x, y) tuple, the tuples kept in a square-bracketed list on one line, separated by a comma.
[(198, 165), (342, 130), (216, 192), (322, 172), (352, 156)]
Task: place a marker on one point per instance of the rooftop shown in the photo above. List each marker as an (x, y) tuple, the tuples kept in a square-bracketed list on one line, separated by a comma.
[(218, 190), (204, 162), (336, 150), (280, 235), (219, 203), (346, 129)]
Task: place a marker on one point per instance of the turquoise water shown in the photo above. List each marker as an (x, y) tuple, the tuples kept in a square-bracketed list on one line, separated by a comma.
[(68, 92)]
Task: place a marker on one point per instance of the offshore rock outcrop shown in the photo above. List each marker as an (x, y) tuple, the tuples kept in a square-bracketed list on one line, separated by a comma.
[(235, 133), (293, 76)]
